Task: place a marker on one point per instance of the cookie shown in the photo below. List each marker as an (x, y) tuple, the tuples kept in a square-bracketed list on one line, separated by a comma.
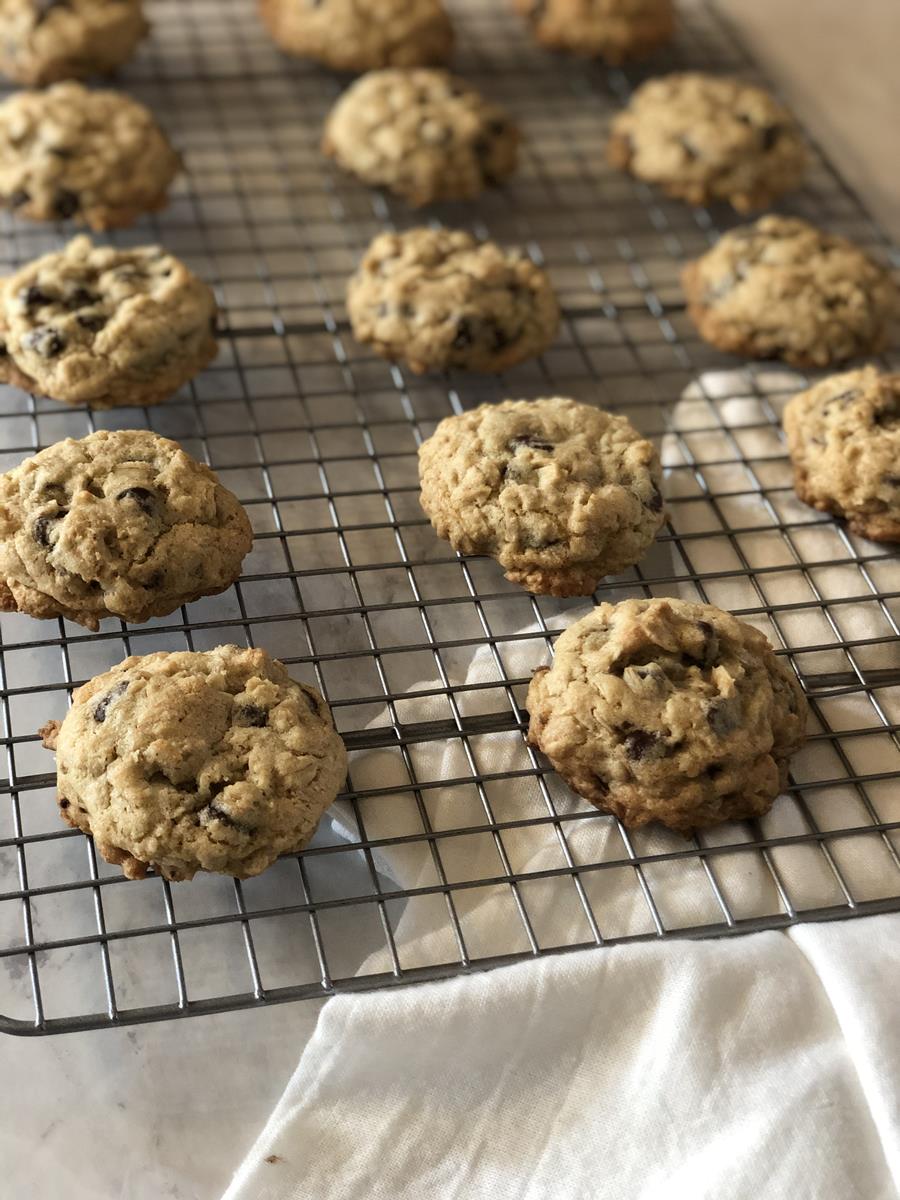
[(438, 299), (780, 288), (561, 494), (844, 440), (105, 327), (121, 523), (422, 134), (184, 762), (98, 158), (361, 35), (701, 138), (615, 30), (661, 710), (47, 40)]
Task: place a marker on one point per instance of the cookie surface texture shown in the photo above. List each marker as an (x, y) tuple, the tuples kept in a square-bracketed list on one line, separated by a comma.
[(560, 493), (702, 138), (105, 327), (422, 134), (844, 440), (439, 299), (121, 524), (361, 35), (664, 710), (186, 762), (781, 288), (615, 30), (97, 157), (44, 41)]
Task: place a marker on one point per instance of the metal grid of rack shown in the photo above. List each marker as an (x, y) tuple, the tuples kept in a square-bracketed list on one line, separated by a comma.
[(425, 656)]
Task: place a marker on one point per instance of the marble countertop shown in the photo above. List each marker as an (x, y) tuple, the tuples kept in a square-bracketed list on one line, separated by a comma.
[(164, 1111)]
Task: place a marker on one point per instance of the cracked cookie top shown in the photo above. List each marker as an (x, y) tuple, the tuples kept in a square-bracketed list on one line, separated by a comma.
[(615, 30), (560, 493), (361, 35), (425, 135), (98, 158), (844, 441), (186, 762), (703, 138), (440, 299), (120, 523), (781, 288), (47, 40), (105, 327), (663, 710)]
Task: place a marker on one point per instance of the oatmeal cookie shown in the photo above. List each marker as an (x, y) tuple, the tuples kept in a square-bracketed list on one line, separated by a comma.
[(186, 762)]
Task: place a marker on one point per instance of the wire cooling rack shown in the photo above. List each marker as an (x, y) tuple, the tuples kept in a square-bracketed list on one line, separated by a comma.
[(425, 656)]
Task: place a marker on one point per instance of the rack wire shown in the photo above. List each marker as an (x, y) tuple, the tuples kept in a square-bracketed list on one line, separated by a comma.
[(423, 655)]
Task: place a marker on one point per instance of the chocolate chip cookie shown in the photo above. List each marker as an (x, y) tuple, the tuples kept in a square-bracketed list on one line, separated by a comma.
[(560, 493), (844, 440), (701, 138), (361, 35), (423, 134), (440, 299), (47, 40), (186, 762), (117, 524), (661, 710), (105, 327), (98, 158), (781, 288), (615, 30)]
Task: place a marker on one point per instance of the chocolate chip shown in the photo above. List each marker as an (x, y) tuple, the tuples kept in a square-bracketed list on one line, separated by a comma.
[(887, 417), (18, 198), (213, 812), (40, 530), (770, 134), (63, 802), (93, 322), (655, 502), (892, 480), (101, 709), (251, 714), (532, 442), (710, 648), (66, 204), (4, 351), (34, 297), (464, 335), (142, 497), (45, 341), (80, 298), (640, 744), (724, 716), (600, 785)]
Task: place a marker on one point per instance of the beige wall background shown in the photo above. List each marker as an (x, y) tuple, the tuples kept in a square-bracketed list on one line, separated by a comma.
[(838, 64)]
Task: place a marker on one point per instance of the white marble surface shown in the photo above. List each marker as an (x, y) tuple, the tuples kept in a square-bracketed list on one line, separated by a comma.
[(160, 1111)]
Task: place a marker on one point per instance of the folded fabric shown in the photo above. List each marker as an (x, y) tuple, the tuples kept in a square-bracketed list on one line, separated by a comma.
[(762, 1066)]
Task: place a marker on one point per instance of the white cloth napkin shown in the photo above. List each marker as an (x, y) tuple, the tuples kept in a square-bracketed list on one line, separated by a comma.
[(764, 1066)]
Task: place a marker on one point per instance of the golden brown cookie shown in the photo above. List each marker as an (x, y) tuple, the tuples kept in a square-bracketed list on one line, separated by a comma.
[(781, 288), (844, 440), (439, 299), (663, 710), (560, 493), (184, 762), (121, 523)]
